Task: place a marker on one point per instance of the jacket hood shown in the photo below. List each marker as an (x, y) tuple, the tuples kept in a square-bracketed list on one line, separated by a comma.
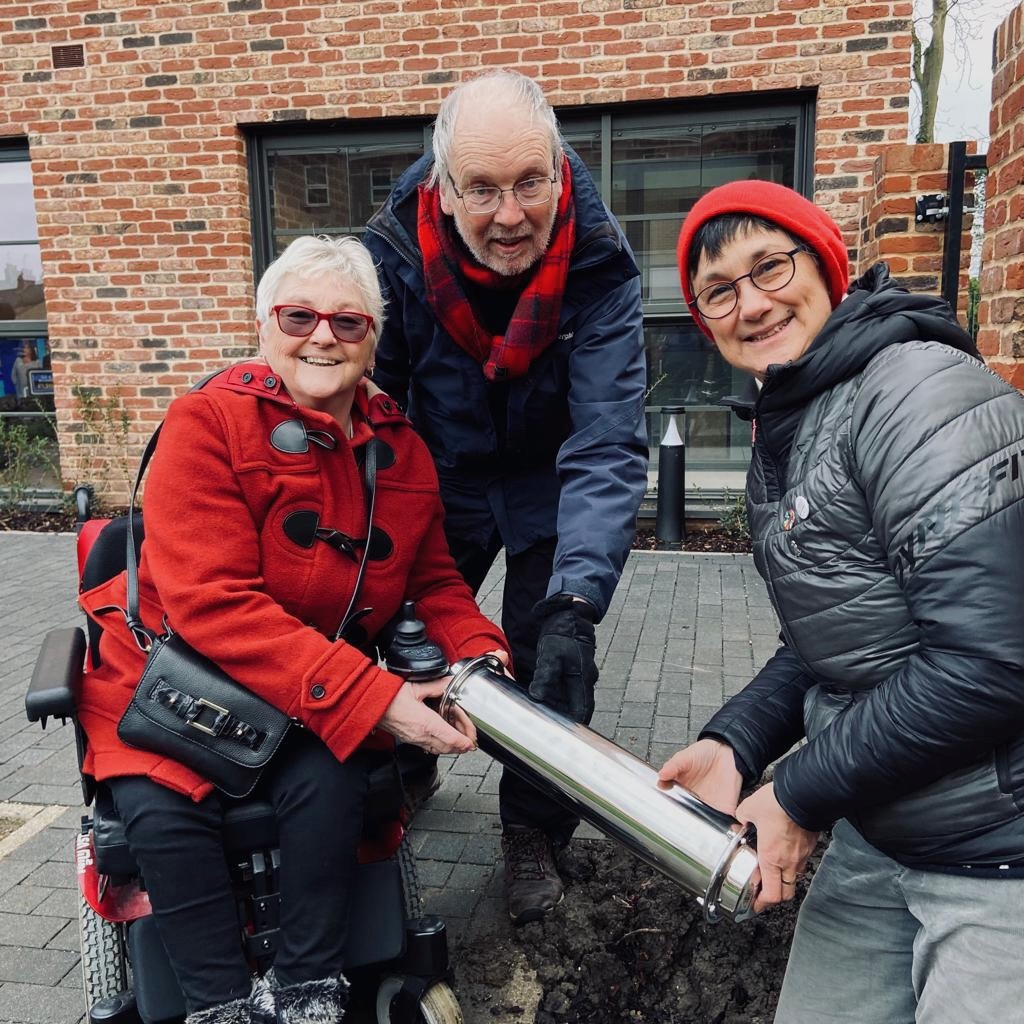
[(876, 313)]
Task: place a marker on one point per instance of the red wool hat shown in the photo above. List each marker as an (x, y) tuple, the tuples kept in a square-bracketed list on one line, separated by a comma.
[(782, 206)]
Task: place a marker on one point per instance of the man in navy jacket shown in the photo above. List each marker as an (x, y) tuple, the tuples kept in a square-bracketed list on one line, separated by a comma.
[(514, 339)]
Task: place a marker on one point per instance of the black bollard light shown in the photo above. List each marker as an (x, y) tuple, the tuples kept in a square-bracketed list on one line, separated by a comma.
[(670, 524)]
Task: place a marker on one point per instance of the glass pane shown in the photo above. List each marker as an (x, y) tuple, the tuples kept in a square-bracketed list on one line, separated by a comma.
[(21, 283), (685, 369), (659, 172), (21, 268), (17, 202), (762, 150), (332, 192), (26, 381), (587, 145)]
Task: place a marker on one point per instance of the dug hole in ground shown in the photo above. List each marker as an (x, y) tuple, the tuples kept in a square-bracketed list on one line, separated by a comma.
[(625, 945)]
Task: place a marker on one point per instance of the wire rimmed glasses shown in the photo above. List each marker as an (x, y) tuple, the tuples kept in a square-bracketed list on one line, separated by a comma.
[(301, 322), (481, 199), (769, 274)]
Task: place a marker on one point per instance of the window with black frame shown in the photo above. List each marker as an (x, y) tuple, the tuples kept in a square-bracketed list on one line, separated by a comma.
[(26, 382), (651, 165)]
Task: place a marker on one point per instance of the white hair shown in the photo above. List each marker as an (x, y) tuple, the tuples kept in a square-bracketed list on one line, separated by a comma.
[(317, 256), (517, 89)]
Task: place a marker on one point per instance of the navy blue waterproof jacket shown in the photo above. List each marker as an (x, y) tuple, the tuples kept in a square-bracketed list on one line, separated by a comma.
[(886, 505), (570, 459)]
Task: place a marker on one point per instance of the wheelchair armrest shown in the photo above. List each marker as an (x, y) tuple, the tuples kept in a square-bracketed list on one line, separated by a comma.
[(57, 676)]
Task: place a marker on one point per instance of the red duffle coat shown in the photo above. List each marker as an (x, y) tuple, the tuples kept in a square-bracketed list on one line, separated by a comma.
[(219, 564)]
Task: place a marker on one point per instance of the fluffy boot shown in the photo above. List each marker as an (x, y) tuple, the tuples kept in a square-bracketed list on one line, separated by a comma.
[(257, 1008), (310, 1002)]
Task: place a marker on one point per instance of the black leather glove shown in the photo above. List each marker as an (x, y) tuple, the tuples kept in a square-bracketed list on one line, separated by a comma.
[(565, 673)]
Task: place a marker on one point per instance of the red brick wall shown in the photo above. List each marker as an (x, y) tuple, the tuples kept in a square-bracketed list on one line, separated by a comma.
[(139, 166), (889, 230), (1001, 338)]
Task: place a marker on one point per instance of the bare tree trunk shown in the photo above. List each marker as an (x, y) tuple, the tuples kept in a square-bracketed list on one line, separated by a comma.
[(927, 67)]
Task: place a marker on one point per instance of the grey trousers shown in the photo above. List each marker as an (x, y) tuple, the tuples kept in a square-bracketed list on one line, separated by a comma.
[(879, 943)]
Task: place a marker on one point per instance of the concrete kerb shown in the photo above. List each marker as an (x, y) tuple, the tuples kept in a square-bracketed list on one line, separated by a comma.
[(683, 630)]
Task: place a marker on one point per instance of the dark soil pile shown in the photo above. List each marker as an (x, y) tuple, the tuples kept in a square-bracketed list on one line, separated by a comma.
[(699, 537), (37, 522), (627, 945)]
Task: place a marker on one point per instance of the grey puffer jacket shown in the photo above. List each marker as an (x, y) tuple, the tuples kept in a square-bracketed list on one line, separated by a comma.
[(886, 499)]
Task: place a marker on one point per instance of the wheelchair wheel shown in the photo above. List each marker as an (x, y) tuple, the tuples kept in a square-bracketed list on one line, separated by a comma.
[(438, 1005), (411, 893), (104, 962)]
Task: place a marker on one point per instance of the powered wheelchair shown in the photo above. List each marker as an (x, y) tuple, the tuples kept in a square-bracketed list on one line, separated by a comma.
[(396, 958)]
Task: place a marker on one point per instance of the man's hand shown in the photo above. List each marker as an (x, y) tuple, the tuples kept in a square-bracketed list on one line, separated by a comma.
[(782, 846), (409, 720), (708, 770), (565, 673)]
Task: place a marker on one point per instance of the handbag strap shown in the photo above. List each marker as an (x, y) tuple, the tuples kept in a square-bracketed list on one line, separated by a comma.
[(143, 635)]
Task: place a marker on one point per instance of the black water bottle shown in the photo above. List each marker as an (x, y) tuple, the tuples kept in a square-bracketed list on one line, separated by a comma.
[(409, 652)]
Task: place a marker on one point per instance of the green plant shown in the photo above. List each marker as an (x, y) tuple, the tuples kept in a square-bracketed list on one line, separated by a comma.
[(26, 452), (733, 516), (105, 430)]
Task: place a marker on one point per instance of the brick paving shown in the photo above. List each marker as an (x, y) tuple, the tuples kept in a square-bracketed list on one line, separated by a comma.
[(683, 632)]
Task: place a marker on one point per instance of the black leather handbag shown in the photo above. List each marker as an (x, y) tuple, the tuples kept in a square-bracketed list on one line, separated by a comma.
[(189, 710)]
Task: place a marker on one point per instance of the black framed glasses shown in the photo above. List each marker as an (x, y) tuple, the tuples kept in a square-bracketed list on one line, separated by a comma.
[(480, 199), (301, 322), (769, 274)]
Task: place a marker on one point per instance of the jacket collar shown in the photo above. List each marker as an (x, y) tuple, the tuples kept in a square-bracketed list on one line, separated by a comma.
[(259, 381)]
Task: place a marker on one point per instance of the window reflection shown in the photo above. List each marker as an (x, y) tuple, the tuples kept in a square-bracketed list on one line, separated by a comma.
[(650, 166), (21, 267), (659, 172), (685, 369), (332, 192)]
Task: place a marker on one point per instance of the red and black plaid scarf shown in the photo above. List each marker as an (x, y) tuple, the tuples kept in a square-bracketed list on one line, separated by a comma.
[(534, 323)]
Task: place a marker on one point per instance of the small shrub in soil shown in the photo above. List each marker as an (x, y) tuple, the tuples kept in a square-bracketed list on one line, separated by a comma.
[(628, 945)]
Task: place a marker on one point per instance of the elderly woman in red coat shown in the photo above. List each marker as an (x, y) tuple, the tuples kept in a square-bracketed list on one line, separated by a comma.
[(239, 558)]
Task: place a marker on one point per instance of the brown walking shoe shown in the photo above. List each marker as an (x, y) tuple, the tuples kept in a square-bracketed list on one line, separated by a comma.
[(531, 878)]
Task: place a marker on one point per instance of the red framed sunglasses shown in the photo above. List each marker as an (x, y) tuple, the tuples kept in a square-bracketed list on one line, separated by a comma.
[(301, 322)]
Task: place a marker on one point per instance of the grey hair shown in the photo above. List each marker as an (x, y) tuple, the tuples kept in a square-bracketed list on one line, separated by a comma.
[(520, 90), (315, 256)]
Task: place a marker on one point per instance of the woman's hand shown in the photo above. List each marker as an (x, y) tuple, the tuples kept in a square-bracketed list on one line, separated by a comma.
[(782, 846), (708, 770), (502, 656), (409, 720)]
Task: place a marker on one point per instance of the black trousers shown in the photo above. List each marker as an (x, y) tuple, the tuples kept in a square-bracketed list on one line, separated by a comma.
[(177, 844), (526, 582)]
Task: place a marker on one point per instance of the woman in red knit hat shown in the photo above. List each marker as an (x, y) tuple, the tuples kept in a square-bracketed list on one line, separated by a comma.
[(886, 503)]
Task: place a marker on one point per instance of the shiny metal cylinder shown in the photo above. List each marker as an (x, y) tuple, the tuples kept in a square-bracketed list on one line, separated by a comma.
[(705, 851)]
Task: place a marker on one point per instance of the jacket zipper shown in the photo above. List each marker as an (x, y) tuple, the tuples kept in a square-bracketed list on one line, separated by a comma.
[(392, 245), (769, 581)]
